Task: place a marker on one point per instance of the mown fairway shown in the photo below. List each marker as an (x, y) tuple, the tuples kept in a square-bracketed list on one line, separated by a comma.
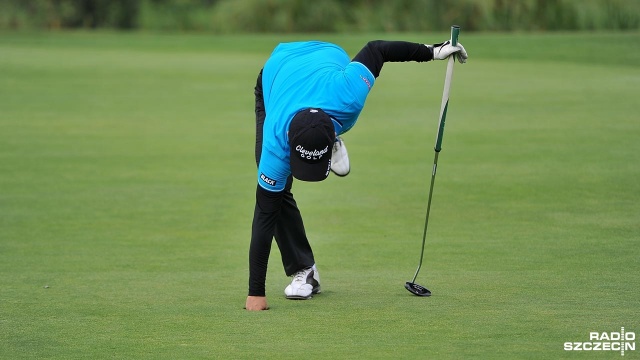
[(127, 183)]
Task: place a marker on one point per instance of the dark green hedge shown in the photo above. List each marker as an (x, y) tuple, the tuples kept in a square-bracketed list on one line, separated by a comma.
[(223, 16)]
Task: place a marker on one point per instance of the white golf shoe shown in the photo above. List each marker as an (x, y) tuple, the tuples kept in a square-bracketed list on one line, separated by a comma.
[(340, 158), (305, 283)]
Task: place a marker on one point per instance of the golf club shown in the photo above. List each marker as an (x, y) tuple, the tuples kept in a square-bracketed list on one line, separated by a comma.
[(411, 285)]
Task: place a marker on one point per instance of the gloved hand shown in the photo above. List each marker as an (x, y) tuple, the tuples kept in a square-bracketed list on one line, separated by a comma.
[(443, 50)]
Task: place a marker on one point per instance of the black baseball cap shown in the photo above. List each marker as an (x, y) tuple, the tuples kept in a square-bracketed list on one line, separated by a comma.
[(311, 137)]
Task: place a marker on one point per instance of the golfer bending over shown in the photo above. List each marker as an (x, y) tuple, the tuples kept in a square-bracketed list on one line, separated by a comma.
[(307, 94)]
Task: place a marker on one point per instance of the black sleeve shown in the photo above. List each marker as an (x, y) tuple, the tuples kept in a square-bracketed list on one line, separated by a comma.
[(265, 216), (376, 53)]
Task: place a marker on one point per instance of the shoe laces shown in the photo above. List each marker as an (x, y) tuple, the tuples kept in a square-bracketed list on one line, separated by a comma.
[(337, 142), (300, 275)]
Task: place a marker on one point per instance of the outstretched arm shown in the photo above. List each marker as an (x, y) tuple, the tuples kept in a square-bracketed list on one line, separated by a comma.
[(377, 52), (265, 216)]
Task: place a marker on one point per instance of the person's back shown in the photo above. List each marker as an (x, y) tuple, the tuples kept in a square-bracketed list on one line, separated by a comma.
[(316, 74)]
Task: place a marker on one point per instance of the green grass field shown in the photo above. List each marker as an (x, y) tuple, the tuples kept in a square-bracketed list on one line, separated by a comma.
[(127, 183)]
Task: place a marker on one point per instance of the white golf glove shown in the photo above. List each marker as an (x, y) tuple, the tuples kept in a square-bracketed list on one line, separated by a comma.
[(444, 50)]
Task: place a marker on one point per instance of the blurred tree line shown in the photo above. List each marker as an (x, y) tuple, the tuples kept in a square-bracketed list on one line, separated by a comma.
[(226, 16)]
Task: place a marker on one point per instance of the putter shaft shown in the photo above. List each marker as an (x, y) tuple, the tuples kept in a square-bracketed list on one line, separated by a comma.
[(426, 220)]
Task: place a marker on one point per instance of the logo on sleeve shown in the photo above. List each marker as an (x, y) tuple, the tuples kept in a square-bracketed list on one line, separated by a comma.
[(267, 180), (366, 81)]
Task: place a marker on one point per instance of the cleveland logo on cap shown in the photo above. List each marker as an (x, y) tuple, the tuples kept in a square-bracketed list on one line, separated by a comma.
[(311, 155)]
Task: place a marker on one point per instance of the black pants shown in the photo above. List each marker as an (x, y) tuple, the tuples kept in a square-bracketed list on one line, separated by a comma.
[(289, 229)]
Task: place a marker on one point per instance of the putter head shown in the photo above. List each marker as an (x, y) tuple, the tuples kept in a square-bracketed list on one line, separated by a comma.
[(416, 289)]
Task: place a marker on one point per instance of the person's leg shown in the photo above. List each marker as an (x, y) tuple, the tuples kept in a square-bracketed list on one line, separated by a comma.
[(290, 235)]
